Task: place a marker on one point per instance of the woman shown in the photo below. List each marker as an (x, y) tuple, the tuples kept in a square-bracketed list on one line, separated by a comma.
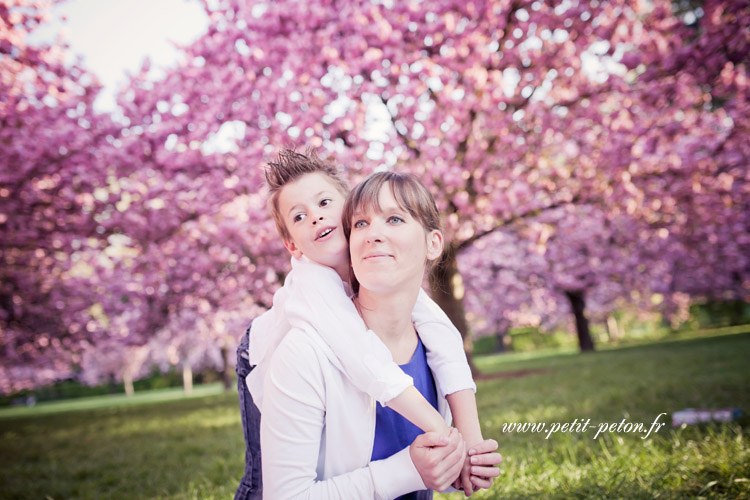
[(320, 436)]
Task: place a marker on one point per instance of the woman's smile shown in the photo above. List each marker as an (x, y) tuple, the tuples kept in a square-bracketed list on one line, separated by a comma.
[(378, 256)]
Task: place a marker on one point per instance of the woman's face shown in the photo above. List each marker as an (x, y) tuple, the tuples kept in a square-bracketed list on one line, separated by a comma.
[(389, 248)]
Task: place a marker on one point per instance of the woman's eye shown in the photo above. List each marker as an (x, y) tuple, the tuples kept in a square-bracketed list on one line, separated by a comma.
[(325, 202), (395, 219), (359, 224)]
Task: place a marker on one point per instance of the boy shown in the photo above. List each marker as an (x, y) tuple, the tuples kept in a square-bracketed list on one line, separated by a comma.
[(307, 196)]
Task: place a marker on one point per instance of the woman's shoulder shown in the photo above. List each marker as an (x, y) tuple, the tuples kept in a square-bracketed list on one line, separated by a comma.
[(302, 350), (297, 367), (297, 344)]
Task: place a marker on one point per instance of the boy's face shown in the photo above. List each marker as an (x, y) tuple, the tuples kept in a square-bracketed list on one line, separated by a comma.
[(311, 208)]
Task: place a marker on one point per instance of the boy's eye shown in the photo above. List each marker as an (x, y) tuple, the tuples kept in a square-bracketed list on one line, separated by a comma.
[(359, 224), (325, 202), (298, 217)]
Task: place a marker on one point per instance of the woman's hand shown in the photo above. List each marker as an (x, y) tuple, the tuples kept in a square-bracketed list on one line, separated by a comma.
[(463, 482), (437, 458)]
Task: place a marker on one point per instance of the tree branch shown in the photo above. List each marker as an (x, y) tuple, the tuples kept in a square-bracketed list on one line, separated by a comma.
[(503, 223)]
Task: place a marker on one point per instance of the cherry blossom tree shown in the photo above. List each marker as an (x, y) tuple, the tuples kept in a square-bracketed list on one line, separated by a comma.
[(573, 260), (49, 144), (578, 151), (482, 100), (692, 176)]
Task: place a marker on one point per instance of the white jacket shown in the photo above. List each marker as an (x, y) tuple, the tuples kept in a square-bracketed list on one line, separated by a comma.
[(314, 300), (318, 429)]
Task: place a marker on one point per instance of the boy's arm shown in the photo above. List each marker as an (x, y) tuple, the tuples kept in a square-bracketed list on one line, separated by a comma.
[(465, 416), (412, 405), (447, 359), (463, 406), (445, 347), (318, 304)]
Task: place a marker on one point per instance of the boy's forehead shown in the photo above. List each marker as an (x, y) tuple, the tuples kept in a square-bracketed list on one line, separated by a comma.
[(317, 179)]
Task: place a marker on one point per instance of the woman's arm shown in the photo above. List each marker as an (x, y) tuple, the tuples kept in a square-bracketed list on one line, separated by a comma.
[(297, 411)]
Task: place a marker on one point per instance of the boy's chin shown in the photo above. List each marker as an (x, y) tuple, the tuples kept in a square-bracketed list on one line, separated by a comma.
[(335, 261)]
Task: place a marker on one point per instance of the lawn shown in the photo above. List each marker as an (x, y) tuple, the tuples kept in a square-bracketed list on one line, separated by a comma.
[(158, 446)]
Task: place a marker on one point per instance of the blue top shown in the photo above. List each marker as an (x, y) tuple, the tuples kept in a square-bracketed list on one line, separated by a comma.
[(393, 432)]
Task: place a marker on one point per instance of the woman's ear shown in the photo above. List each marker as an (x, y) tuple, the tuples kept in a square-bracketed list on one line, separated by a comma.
[(434, 244), (296, 252)]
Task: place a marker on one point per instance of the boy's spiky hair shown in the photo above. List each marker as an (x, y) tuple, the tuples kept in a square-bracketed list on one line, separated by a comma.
[(289, 166)]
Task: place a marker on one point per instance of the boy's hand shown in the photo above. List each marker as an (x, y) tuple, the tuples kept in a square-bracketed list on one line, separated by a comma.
[(484, 462)]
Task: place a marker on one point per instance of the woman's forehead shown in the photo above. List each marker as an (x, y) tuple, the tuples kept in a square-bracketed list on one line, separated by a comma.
[(382, 201)]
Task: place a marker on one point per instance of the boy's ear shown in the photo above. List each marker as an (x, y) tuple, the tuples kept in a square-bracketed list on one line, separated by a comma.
[(434, 244), (296, 252)]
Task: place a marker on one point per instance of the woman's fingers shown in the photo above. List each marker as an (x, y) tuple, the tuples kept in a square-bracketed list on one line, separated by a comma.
[(455, 461)]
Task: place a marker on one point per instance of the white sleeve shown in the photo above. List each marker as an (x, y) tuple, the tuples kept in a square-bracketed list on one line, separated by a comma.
[(444, 345), (318, 304), (292, 426)]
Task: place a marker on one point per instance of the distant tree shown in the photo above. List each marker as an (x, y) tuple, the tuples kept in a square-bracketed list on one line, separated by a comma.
[(50, 174)]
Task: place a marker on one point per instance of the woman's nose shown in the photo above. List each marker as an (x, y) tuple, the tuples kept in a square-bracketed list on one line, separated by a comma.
[(374, 233)]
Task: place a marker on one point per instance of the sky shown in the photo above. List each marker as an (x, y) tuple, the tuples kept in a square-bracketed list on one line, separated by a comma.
[(114, 36)]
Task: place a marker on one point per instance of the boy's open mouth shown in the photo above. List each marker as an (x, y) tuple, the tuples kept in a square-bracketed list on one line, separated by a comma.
[(325, 232)]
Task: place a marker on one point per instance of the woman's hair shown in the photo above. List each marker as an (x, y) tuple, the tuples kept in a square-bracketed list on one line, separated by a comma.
[(409, 193)]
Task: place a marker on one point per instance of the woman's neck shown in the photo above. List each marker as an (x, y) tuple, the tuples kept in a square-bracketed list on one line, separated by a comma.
[(389, 316), (343, 271)]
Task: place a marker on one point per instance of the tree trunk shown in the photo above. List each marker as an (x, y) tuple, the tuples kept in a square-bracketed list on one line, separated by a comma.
[(578, 304), (502, 341), (127, 381), (187, 378), (226, 379), (613, 329), (448, 292)]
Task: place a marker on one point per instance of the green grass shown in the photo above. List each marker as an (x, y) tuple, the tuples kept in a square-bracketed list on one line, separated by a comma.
[(110, 401), (162, 446)]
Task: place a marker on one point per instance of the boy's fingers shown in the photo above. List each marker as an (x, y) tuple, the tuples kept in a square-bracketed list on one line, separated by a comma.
[(481, 483), (486, 446), (484, 472), (487, 459)]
